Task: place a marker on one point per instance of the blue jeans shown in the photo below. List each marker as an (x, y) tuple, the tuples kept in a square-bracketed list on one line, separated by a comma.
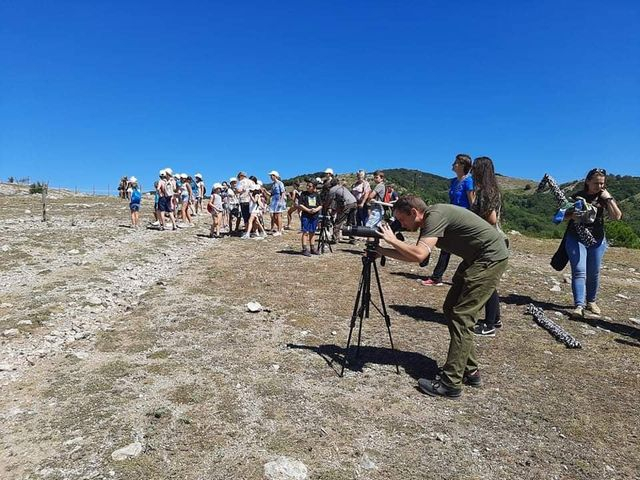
[(376, 215), (585, 268)]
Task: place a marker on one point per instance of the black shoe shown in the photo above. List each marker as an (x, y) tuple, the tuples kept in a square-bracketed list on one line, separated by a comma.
[(484, 330), (436, 388), (498, 323), (472, 379)]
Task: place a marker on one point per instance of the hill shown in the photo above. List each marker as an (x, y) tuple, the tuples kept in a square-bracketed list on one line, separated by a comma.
[(523, 209)]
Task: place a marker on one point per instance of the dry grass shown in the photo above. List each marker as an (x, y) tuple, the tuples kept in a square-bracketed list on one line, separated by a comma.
[(215, 392)]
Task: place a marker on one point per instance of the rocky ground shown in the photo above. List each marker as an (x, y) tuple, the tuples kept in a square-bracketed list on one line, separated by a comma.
[(130, 354)]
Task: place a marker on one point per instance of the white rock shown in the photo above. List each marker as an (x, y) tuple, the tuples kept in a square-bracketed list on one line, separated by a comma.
[(130, 451), (284, 468), (12, 332), (367, 464), (27, 212), (635, 320), (555, 288), (94, 300), (73, 252), (619, 295), (6, 305), (254, 307), (5, 367), (81, 355), (25, 322), (275, 367), (5, 248)]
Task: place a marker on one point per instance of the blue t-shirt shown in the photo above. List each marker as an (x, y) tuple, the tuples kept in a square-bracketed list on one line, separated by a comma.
[(458, 191)]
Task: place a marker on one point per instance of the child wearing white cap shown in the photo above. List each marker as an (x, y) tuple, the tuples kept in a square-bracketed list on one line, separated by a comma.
[(135, 200)]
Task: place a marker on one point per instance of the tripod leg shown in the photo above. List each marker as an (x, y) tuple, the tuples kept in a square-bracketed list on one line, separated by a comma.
[(387, 319), (366, 298), (356, 310)]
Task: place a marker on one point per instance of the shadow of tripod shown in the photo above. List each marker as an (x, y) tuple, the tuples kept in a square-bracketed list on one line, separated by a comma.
[(363, 302)]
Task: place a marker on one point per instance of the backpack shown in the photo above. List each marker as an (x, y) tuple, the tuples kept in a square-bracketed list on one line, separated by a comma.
[(387, 195), (136, 197)]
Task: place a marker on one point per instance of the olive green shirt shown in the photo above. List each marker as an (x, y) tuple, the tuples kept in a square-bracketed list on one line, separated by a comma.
[(463, 233)]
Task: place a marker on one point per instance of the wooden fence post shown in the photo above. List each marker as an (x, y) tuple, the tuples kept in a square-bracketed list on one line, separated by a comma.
[(45, 191)]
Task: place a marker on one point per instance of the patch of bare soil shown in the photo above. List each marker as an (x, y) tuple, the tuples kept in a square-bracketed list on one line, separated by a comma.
[(111, 336)]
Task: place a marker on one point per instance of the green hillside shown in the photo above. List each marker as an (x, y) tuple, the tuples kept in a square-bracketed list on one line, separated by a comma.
[(524, 210)]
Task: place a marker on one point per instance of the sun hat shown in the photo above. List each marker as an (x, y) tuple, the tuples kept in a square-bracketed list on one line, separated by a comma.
[(233, 179), (275, 173), (242, 174), (217, 185), (198, 175), (168, 171), (184, 176), (329, 171), (133, 180)]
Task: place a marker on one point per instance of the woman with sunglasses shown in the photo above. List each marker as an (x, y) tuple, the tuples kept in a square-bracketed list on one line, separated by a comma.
[(585, 261)]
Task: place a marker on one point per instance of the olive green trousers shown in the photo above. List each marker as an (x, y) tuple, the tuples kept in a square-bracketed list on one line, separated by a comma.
[(472, 286)]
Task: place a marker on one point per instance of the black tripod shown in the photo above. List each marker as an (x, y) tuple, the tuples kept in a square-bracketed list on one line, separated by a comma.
[(325, 227), (363, 301)]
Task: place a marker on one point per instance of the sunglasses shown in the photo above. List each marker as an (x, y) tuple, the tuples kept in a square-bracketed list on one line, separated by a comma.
[(596, 171)]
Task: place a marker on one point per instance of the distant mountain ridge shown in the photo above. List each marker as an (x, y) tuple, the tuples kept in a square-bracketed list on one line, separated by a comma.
[(523, 210)]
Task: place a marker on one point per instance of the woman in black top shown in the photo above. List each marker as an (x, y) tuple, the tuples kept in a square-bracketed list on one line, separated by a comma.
[(586, 259), (486, 204)]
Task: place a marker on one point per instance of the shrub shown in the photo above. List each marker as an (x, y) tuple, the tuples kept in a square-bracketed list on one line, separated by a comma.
[(36, 187)]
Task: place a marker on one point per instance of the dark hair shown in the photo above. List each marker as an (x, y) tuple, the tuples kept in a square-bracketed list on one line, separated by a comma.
[(407, 202), (464, 160), (486, 185), (379, 173), (253, 178), (592, 173)]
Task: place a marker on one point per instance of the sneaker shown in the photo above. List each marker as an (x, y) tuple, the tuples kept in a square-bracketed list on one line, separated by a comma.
[(578, 312), (314, 250), (245, 236), (277, 234), (498, 323), (306, 252), (472, 379), (264, 235), (593, 308), (436, 388), (484, 330), (155, 224), (430, 282)]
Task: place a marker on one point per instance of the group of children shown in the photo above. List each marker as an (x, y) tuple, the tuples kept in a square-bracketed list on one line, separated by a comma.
[(245, 198)]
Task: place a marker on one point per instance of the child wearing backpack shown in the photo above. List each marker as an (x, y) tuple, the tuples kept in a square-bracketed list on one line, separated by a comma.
[(134, 203)]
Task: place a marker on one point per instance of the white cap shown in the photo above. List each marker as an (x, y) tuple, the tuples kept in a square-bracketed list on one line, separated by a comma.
[(233, 179), (168, 171), (260, 182), (318, 180), (329, 171), (274, 172), (184, 176), (133, 180), (217, 185), (198, 175), (163, 172)]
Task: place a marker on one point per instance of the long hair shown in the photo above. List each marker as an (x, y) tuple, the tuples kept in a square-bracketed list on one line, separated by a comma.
[(486, 185)]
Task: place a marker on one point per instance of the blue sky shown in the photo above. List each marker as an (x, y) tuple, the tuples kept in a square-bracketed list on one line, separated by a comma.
[(91, 91)]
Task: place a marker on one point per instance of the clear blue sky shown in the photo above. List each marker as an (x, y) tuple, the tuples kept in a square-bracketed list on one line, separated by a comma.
[(93, 90)]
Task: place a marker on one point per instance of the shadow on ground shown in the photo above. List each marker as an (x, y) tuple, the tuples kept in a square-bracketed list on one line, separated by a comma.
[(419, 312), (414, 364)]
